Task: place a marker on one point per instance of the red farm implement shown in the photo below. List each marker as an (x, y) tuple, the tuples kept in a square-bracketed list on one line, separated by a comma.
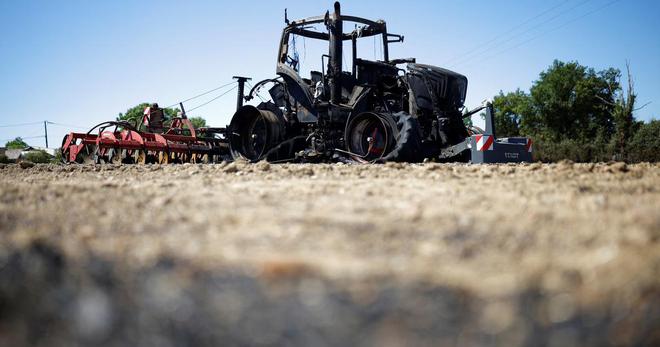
[(122, 142)]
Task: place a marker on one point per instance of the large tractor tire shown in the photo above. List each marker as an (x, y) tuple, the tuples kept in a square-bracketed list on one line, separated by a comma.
[(254, 132), (379, 137), (408, 146), (370, 136)]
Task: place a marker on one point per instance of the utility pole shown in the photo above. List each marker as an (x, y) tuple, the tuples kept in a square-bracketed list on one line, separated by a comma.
[(46, 132)]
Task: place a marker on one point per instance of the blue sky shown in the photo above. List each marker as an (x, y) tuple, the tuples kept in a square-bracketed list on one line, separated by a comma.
[(82, 62)]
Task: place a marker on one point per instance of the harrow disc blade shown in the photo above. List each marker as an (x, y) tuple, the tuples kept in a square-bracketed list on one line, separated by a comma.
[(151, 157), (140, 157), (89, 160), (103, 156), (199, 158), (86, 155), (114, 156), (163, 157), (129, 156)]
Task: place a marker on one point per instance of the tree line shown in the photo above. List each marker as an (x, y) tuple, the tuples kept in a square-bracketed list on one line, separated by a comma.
[(575, 112), (135, 113)]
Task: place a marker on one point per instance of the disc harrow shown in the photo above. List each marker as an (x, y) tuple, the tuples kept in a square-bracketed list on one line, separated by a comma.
[(120, 142)]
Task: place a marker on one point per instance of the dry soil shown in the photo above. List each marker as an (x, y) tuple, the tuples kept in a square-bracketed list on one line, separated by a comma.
[(375, 255)]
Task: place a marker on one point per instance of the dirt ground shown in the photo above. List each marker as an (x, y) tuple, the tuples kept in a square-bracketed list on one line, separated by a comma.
[(314, 255)]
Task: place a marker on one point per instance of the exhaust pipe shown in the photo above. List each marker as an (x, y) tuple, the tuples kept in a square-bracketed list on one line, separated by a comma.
[(241, 90), (335, 62)]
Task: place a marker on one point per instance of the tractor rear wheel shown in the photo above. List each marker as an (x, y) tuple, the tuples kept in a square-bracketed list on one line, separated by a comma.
[(384, 137), (254, 132), (370, 136), (408, 146)]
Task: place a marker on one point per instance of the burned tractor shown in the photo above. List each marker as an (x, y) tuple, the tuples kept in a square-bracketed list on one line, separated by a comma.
[(371, 111), (389, 110)]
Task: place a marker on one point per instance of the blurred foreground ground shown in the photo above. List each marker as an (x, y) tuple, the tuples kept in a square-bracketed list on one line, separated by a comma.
[(336, 255)]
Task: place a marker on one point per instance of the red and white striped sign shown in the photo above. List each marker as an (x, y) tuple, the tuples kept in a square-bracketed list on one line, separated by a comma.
[(484, 142), (528, 145)]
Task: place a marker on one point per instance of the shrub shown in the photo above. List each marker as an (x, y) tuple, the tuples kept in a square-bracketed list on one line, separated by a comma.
[(39, 157), (57, 159), (644, 146), (4, 159), (645, 143), (577, 151)]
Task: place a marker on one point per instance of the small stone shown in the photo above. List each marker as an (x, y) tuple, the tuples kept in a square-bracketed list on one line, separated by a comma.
[(263, 166), (231, 168), (394, 165), (618, 167), (535, 166), (565, 164)]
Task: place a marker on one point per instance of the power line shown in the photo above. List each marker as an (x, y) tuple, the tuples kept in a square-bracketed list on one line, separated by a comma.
[(65, 125), (19, 125), (486, 48), (79, 127), (477, 47), (210, 101), (547, 32), (45, 123), (23, 138), (202, 94)]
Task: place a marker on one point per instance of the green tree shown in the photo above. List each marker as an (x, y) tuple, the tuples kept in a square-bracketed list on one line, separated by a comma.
[(16, 143), (645, 143), (198, 122), (571, 101), (624, 119), (134, 114), (510, 108), (467, 121), (575, 112)]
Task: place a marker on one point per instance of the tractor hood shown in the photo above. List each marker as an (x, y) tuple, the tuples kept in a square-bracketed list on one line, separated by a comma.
[(432, 85)]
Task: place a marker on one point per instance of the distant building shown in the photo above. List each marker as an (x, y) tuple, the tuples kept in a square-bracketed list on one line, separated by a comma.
[(17, 154), (14, 154)]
